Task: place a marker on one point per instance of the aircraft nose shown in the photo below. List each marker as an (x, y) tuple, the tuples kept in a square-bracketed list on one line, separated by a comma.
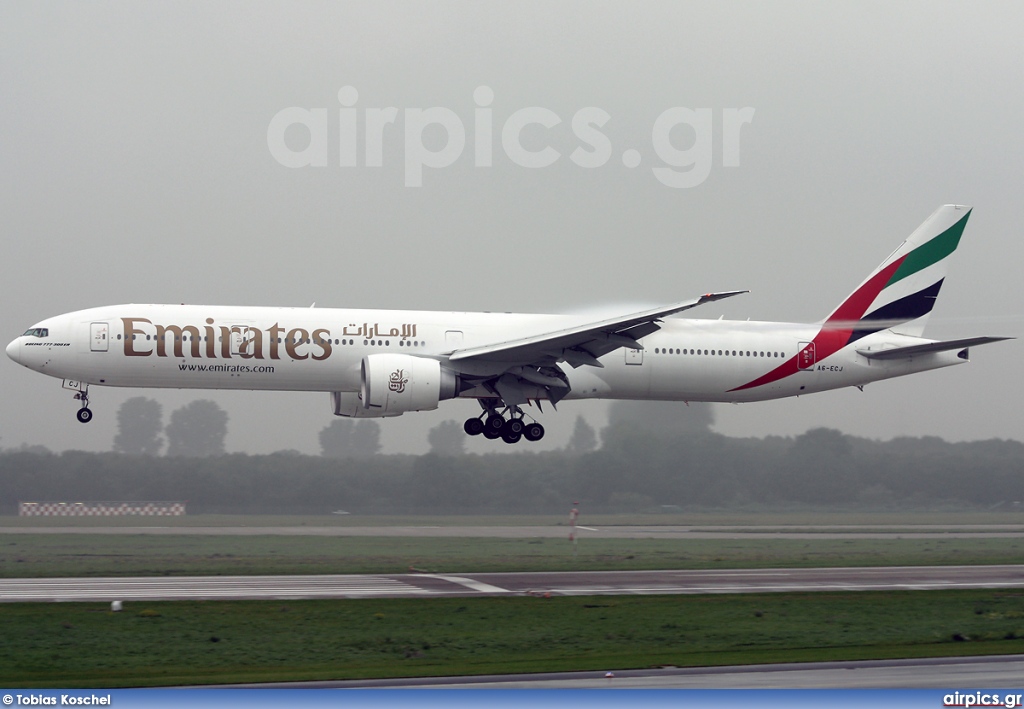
[(14, 351)]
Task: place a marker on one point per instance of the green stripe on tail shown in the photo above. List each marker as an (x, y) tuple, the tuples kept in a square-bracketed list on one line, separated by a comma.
[(930, 252)]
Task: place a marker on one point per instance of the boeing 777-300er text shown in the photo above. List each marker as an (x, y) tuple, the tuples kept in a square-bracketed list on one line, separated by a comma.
[(378, 363)]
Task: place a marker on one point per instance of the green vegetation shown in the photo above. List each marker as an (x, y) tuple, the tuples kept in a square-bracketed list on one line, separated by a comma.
[(39, 555), (163, 643)]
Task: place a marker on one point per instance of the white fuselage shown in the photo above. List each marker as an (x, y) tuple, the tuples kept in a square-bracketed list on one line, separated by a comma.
[(320, 349)]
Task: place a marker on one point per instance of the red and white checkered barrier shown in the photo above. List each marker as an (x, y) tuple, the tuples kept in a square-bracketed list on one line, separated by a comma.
[(101, 509)]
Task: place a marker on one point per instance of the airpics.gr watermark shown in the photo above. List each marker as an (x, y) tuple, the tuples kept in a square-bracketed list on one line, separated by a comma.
[(679, 168), (981, 699)]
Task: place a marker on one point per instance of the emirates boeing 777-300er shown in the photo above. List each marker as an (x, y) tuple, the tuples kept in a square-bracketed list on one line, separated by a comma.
[(378, 363)]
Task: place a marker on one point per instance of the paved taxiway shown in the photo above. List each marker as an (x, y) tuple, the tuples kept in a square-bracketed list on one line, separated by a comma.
[(999, 672), (581, 583), (560, 532)]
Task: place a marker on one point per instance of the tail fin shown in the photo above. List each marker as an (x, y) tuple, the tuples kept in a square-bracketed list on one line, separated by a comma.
[(899, 294)]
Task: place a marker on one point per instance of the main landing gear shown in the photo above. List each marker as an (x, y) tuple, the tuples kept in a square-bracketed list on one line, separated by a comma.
[(511, 430)]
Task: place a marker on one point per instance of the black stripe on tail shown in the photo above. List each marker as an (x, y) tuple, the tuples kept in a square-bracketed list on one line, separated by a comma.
[(907, 308)]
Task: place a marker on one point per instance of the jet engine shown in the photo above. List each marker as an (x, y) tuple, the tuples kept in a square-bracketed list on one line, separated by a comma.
[(350, 405), (395, 383)]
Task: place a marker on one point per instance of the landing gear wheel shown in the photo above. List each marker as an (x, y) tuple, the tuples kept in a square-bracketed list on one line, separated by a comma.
[(84, 414), (495, 422), (511, 437), (473, 427), (490, 434), (513, 427), (533, 432)]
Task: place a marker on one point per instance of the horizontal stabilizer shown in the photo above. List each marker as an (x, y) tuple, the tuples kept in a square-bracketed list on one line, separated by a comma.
[(915, 350)]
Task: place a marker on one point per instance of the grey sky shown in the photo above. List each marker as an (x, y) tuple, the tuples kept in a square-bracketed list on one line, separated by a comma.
[(135, 168)]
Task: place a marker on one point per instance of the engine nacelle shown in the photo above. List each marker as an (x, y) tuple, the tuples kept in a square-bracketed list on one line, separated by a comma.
[(395, 383), (350, 405)]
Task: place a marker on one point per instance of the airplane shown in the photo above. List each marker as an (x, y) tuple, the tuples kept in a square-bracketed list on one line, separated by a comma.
[(382, 363)]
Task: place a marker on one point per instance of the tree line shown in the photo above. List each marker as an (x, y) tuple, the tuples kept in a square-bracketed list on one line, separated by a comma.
[(651, 458), (198, 430)]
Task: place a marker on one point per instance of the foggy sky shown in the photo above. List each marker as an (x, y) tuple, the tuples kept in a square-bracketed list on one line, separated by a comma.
[(135, 168)]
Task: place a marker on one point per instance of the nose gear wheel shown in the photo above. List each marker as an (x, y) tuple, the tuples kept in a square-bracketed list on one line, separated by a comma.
[(84, 413)]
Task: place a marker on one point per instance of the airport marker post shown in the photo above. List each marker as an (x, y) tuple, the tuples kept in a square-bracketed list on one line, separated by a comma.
[(573, 514)]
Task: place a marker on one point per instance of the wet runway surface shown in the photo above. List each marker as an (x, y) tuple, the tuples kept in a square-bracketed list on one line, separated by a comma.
[(560, 583), (999, 672)]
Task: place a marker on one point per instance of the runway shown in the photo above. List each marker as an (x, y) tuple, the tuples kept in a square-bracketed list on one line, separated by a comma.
[(582, 583), (1002, 672)]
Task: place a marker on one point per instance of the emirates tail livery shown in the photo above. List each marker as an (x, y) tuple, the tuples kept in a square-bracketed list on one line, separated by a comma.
[(377, 363)]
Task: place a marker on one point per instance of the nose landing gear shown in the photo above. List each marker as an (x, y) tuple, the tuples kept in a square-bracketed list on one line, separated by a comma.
[(81, 390)]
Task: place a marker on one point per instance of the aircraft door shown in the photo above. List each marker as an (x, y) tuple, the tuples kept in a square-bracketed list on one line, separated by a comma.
[(805, 358), (99, 336), (239, 334), (453, 339), (634, 356)]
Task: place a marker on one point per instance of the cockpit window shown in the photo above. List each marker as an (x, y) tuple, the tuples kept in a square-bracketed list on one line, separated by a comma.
[(37, 332)]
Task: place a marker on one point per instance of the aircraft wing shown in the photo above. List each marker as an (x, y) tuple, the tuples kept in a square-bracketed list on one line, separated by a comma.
[(584, 343), (929, 347)]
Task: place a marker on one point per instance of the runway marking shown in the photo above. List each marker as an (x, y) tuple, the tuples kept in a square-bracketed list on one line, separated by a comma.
[(554, 583), (470, 583)]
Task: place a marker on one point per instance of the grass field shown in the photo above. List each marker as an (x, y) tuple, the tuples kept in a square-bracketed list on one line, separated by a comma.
[(25, 555), (50, 555), (86, 645)]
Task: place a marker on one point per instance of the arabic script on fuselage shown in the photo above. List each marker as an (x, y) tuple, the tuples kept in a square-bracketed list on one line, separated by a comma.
[(142, 338)]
